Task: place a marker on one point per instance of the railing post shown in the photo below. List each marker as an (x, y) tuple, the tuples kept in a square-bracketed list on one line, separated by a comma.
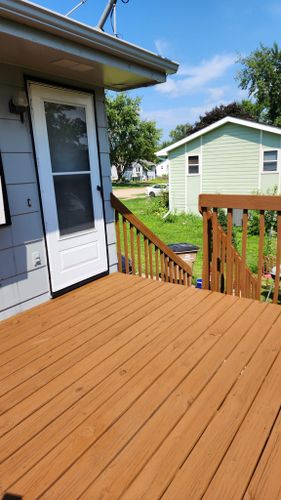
[(260, 258), (118, 241), (206, 250), (229, 263), (244, 253), (215, 253), (278, 259)]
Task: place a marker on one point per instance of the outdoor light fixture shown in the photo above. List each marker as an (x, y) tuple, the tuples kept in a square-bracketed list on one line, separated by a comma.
[(19, 104)]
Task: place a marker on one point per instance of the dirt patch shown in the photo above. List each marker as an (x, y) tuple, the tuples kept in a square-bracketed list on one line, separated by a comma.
[(130, 193)]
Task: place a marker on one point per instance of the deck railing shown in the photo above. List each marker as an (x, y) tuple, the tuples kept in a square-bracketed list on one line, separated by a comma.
[(143, 252), (224, 269)]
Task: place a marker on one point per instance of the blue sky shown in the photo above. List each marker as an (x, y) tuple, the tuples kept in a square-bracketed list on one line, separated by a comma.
[(205, 37)]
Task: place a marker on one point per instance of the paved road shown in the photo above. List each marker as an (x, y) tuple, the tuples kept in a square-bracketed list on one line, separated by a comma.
[(129, 193)]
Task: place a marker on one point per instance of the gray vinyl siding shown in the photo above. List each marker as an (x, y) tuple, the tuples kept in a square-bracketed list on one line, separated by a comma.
[(23, 284)]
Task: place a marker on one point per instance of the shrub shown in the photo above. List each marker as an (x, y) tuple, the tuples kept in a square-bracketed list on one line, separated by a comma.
[(159, 205), (222, 219), (270, 218)]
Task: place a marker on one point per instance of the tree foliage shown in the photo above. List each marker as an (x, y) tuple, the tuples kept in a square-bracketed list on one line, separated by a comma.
[(261, 77), (176, 134), (241, 110), (131, 138)]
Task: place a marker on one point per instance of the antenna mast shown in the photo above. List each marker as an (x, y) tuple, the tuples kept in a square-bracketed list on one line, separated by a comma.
[(111, 5), (75, 8)]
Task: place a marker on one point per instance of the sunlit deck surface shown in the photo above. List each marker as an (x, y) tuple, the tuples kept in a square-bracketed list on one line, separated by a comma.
[(133, 388)]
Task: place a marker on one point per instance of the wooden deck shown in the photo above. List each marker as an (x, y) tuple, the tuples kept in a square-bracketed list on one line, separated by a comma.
[(134, 388)]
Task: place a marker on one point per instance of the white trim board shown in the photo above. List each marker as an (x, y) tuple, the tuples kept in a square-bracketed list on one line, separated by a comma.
[(223, 121)]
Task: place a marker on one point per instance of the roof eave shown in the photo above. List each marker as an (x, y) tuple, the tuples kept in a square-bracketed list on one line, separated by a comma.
[(38, 17)]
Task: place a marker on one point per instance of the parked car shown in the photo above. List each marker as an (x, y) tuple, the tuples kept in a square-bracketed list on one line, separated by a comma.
[(156, 189)]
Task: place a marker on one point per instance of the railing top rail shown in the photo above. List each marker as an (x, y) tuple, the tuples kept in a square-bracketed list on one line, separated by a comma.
[(246, 202), (130, 217)]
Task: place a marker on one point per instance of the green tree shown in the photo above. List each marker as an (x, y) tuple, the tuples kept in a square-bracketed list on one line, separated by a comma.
[(234, 109), (131, 138), (176, 134), (261, 77), (180, 132)]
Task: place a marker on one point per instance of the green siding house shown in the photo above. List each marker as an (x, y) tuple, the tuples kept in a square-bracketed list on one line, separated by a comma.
[(231, 156)]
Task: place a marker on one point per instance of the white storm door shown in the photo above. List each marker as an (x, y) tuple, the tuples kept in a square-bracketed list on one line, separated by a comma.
[(67, 156)]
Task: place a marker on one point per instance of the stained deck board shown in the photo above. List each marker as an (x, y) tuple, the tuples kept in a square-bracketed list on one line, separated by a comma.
[(141, 389)]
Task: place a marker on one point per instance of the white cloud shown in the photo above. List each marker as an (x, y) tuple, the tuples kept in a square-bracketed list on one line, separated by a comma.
[(217, 93), (168, 119), (274, 8), (193, 79), (161, 46)]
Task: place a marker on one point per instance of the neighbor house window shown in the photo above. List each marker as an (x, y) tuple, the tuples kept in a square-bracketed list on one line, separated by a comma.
[(193, 164), (270, 161)]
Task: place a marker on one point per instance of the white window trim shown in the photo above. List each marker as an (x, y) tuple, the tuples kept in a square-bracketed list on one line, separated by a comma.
[(270, 172), (199, 164)]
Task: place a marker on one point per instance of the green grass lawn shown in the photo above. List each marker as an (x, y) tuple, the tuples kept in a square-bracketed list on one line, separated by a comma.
[(187, 228)]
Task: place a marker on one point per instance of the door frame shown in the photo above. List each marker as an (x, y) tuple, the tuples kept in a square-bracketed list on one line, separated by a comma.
[(51, 83)]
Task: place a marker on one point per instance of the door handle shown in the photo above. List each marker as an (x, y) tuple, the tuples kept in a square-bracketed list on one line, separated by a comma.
[(99, 188)]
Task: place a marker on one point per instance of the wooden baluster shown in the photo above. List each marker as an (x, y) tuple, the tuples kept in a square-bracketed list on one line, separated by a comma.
[(260, 261), (177, 274), (118, 241), (223, 258), (244, 252), (237, 287), (239, 267), (215, 273), (150, 260), (132, 240), (248, 286), (278, 260), (185, 278), (166, 268), (254, 291), (182, 277), (171, 271), (229, 266), (234, 281), (157, 263), (162, 262), (125, 237), (139, 253), (206, 254), (146, 256)]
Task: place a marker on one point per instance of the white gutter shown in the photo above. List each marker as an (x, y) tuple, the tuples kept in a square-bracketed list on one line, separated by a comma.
[(35, 16)]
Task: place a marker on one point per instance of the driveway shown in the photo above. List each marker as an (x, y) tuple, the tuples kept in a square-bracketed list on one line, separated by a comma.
[(129, 193)]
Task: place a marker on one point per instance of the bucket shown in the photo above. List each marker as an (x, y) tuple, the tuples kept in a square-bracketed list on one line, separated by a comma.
[(199, 283)]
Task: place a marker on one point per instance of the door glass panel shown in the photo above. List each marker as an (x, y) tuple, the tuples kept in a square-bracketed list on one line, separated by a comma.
[(67, 134), (74, 203)]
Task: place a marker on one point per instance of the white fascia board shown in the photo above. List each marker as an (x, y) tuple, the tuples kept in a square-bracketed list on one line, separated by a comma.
[(223, 121), (44, 19), (70, 49)]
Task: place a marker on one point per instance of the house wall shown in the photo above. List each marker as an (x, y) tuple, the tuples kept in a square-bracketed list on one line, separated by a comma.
[(231, 159), (268, 180), (23, 284), (177, 186)]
